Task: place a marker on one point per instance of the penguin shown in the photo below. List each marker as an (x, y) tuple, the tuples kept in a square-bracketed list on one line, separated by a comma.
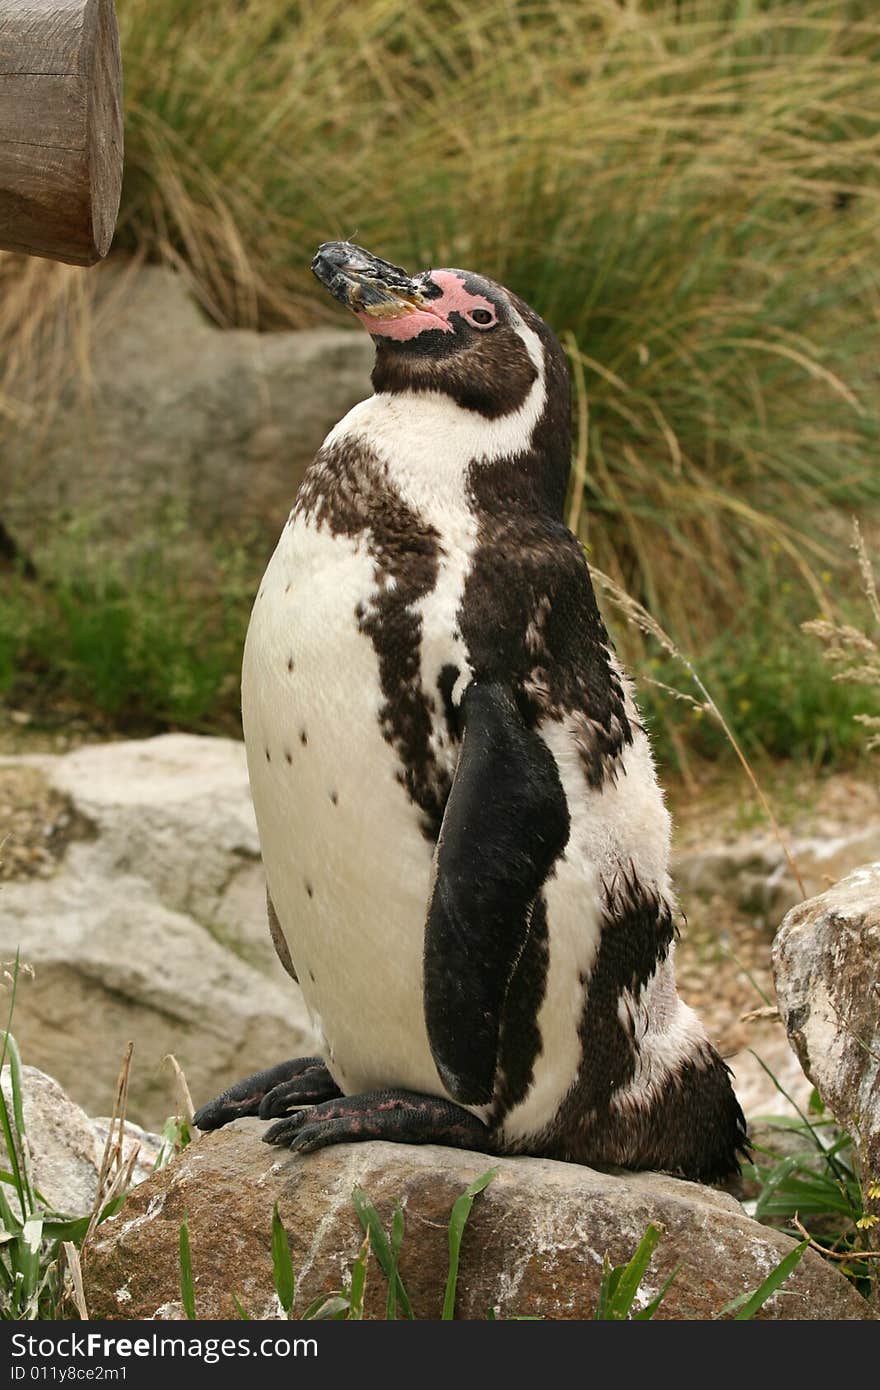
[(465, 843)]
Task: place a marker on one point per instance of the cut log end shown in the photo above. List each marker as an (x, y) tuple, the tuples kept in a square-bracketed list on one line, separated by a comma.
[(105, 131), (60, 128)]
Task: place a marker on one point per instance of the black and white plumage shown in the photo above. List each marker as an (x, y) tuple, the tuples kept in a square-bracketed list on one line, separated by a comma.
[(465, 843)]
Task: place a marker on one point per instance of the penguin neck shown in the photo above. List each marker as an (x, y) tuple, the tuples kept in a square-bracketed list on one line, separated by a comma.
[(435, 452)]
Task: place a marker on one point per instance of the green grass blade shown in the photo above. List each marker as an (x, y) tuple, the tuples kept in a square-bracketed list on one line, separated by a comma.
[(176, 1136), (748, 1304), (327, 1307), (9, 1179), (12, 1150), (359, 1281), (187, 1287), (397, 1230), (808, 1125), (621, 1284), (457, 1222), (9, 1220), (282, 1265), (243, 1313), (772, 1182), (369, 1219), (650, 1308), (74, 1229), (16, 968), (606, 1289), (26, 1258), (17, 1090), (16, 1151)]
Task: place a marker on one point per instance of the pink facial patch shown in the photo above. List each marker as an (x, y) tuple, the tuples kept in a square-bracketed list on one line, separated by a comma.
[(407, 325), (454, 299)]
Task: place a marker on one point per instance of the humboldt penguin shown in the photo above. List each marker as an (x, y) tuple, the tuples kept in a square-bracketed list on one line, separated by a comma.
[(465, 843)]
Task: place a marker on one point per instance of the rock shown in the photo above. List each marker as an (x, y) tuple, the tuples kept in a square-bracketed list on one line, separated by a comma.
[(151, 928), (752, 871), (735, 886), (533, 1247), (36, 823), (66, 1147), (826, 962), (218, 424), (756, 1091)]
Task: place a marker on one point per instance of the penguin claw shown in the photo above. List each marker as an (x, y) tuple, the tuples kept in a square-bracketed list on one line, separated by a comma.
[(300, 1081), (402, 1117), (307, 1138), (313, 1085)]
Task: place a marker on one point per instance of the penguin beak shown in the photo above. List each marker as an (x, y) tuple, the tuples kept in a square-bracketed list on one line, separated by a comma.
[(364, 283)]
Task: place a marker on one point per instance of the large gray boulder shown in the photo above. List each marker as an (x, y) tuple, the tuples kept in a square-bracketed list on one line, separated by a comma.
[(534, 1246), (219, 423), (826, 961), (150, 926), (65, 1146)]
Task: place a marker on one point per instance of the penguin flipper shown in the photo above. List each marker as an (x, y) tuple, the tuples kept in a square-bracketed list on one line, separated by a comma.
[(506, 821)]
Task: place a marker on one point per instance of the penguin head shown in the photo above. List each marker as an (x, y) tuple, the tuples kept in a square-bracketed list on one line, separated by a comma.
[(447, 331)]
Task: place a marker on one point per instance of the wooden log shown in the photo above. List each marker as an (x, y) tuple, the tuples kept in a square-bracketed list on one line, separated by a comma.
[(60, 128)]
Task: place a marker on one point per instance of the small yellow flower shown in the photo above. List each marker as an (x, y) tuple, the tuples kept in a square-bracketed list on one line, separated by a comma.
[(866, 1223)]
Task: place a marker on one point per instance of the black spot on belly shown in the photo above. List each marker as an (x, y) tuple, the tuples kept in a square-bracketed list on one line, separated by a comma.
[(348, 491), (268, 756), (288, 755), (311, 977), (290, 663), (309, 890), (334, 797), (303, 737)]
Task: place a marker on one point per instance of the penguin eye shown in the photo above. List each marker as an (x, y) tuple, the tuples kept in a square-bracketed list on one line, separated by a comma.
[(481, 317)]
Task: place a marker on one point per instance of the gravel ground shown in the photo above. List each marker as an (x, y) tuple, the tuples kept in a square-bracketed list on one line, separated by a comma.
[(723, 957)]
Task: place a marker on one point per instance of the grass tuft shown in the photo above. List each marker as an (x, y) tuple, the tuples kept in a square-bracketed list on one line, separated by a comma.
[(852, 652), (620, 1283)]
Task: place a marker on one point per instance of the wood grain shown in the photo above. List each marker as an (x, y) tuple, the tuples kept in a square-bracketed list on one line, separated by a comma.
[(60, 128)]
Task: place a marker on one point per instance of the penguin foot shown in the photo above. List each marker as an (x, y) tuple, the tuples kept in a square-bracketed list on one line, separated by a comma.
[(402, 1117), (301, 1081)]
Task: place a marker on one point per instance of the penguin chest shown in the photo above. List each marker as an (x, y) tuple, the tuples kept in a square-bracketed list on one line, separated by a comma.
[(345, 776)]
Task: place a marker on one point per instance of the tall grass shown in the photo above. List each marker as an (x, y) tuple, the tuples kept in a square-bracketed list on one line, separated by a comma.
[(142, 638), (855, 653), (686, 189)]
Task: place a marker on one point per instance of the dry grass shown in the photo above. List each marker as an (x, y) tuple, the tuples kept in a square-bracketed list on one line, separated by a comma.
[(854, 654)]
